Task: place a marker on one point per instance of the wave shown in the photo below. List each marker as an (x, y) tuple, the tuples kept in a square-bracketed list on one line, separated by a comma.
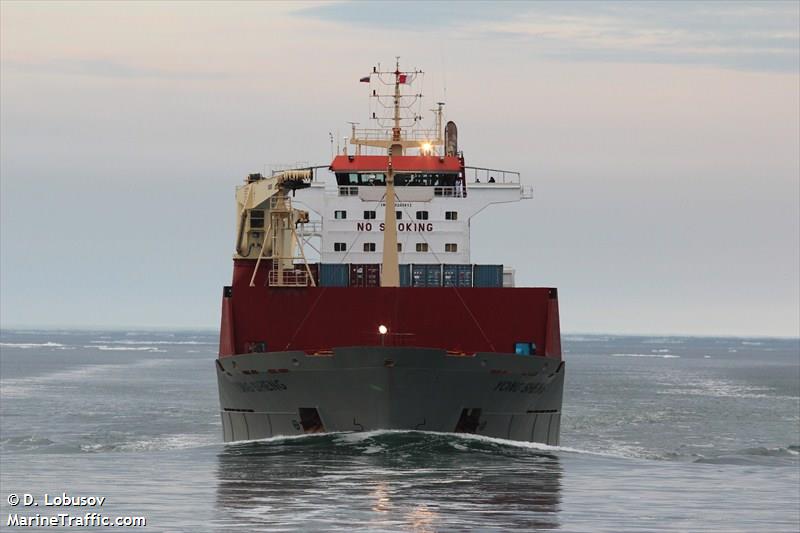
[(24, 442), (183, 441), (396, 441), (107, 348), (657, 355), (133, 343), (581, 338), (108, 443), (718, 388), (408, 443), (24, 387), (26, 345), (761, 456), (663, 340)]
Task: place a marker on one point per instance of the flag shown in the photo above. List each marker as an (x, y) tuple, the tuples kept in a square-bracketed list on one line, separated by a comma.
[(402, 78), (365, 79)]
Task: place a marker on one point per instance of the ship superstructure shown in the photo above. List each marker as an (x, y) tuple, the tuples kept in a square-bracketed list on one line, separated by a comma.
[(391, 326)]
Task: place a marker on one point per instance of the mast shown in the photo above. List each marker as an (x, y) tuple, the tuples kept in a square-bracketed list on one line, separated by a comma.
[(392, 137), (390, 275), (396, 129)]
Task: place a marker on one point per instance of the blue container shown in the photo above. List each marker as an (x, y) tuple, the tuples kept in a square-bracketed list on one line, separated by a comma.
[(426, 275), (334, 274), (405, 275), (487, 276), (457, 275), (434, 276)]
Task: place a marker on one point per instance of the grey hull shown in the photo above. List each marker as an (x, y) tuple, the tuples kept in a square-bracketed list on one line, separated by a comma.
[(369, 388)]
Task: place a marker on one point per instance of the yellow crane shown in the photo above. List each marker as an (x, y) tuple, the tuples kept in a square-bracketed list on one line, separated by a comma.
[(267, 223)]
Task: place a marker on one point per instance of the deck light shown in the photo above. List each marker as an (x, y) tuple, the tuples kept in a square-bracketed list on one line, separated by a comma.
[(383, 329)]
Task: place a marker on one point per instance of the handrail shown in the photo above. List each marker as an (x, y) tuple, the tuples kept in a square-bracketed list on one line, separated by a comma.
[(385, 134), (450, 192), (490, 175), (311, 228)]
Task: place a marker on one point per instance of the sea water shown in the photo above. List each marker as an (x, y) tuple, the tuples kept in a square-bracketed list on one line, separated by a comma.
[(658, 434)]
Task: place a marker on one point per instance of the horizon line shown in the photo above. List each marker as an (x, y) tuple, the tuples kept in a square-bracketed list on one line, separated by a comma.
[(215, 329)]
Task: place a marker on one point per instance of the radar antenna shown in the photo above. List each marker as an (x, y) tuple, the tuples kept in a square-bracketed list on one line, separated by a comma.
[(397, 131)]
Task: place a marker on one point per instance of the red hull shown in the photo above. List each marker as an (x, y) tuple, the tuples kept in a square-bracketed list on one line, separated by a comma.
[(316, 319)]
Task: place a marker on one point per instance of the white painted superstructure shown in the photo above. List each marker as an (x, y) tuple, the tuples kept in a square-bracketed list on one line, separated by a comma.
[(433, 223)]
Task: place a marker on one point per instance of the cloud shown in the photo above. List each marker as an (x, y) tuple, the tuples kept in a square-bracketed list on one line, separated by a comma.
[(760, 36)]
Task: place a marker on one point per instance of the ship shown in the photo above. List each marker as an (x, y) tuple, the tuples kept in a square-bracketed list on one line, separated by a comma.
[(354, 304)]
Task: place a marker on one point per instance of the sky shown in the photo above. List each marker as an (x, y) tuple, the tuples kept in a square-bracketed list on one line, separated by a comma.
[(662, 141)]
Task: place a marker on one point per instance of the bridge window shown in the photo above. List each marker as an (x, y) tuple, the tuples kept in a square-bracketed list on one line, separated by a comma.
[(422, 215), (358, 178), (256, 218), (422, 246), (398, 215), (369, 246), (423, 179), (341, 215), (451, 247), (372, 179), (451, 215), (399, 246), (339, 247), (369, 215)]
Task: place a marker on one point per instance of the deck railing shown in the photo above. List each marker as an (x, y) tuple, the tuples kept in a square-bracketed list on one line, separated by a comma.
[(450, 192), (291, 278), (490, 175), (385, 134)]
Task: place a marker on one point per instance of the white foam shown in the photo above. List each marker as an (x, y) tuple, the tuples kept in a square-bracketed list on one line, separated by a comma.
[(279, 438), (169, 442), (663, 340), (718, 388), (578, 338), (24, 387), (129, 342), (661, 356), (26, 345), (529, 445), (356, 437), (369, 450), (106, 348)]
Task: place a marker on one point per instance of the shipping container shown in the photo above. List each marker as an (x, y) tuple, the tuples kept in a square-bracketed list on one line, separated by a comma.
[(405, 275), (457, 275), (334, 274), (426, 275), (365, 275), (487, 276)]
